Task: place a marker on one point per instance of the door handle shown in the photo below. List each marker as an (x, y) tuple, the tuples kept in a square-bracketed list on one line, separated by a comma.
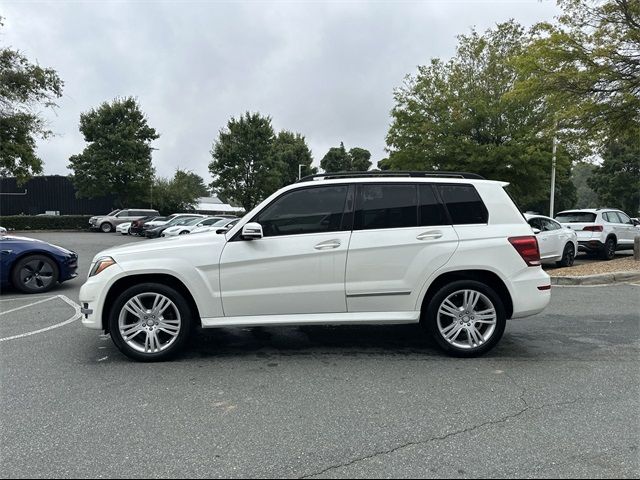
[(431, 235), (328, 245)]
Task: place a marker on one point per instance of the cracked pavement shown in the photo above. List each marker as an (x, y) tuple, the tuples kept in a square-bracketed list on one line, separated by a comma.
[(559, 397)]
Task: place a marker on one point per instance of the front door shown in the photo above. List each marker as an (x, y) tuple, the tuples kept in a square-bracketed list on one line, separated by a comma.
[(298, 266)]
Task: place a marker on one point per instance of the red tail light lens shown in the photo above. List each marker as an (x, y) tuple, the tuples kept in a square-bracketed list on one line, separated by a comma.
[(528, 249), (593, 228)]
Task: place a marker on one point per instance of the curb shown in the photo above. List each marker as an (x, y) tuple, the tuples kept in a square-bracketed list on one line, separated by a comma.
[(601, 279)]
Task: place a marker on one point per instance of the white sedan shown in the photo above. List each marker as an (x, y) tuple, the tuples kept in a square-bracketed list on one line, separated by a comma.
[(557, 243), (124, 228), (188, 226), (224, 224)]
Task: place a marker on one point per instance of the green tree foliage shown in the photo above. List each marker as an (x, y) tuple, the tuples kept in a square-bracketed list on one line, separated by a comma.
[(179, 194), (461, 115), (290, 150), (587, 66), (243, 167), (586, 197), (617, 180), (337, 159), (24, 89), (118, 158)]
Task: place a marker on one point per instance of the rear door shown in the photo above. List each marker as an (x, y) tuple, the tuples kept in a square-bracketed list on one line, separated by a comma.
[(401, 235), (627, 229)]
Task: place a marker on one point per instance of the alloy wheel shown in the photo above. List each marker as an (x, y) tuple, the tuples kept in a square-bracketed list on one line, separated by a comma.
[(36, 275), (467, 319)]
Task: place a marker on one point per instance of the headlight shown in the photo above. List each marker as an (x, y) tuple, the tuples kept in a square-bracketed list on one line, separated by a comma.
[(101, 264)]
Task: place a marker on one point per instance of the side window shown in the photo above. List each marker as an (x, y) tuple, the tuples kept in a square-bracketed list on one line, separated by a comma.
[(554, 225), (536, 223), (431, 210), (549, 225), (122, 213), (310, 210), (608, 217), (464, 204), (386, 206), (624, 218)]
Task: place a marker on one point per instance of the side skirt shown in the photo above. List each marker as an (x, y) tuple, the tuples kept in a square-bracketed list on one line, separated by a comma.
[(378, 318)]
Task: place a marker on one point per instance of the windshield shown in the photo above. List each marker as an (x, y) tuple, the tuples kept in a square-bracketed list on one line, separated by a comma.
[(113, 213), (576, 217), (221, 223), (179, 221)]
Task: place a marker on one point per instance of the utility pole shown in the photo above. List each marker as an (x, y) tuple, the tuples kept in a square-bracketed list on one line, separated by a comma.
[(300, 165), (553, 172)]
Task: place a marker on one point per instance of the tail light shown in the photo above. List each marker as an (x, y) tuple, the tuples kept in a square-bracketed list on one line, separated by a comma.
[(593, 228), (528, 249)]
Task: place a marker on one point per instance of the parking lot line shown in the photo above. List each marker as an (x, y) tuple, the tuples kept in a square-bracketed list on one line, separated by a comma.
[(23, 298), (29, 305), (76, 316)]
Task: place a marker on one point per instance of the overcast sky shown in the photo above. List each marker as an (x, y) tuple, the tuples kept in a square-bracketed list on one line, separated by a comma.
[(324, 69)]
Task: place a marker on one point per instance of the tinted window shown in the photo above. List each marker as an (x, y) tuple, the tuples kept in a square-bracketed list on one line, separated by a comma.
[(464, 204), (431, 210), (386, 206), (310, 210), (536, 223), (576, 217)]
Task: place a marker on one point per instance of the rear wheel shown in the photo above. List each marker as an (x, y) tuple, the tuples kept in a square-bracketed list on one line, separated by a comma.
[(609, 250), (106, 227), (35, 274), (150, 322), (568, 256), (466, 318)]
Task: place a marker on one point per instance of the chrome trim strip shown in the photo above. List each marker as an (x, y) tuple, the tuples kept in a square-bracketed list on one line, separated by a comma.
[(377, 294)]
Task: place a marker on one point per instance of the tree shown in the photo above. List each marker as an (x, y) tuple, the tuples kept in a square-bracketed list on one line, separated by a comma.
[(462, 115), (587, 65), (117, 160), (617, 180), (243, 166), (586, 197), (179, 194), (290, 150), (24, 89), (338, 159)]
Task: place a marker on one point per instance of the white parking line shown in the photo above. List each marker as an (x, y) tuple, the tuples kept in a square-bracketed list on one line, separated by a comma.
[(24, 298), (29, 305), (77, 315)]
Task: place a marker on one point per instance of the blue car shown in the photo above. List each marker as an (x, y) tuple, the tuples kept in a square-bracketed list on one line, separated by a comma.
[(34, 266)]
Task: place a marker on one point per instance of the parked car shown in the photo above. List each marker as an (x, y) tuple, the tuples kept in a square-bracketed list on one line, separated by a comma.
[(601, 231), (124, 228), (156, 222), (221, 226), (156, 232), (557, 243), (108, 223), (189, 226), (34, 266), (450, 251), (3, 231), (137, 226)]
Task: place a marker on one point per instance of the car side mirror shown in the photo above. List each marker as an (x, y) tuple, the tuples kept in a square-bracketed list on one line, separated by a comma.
[(536, 230), (252, 231)]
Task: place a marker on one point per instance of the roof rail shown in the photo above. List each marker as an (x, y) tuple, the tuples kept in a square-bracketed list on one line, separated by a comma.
[(390, 173)]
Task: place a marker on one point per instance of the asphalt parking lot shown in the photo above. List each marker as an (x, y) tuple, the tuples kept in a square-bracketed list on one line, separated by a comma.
[(559, 397)]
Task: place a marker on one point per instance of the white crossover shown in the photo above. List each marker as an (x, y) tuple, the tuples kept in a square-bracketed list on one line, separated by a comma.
[(450, 251), (558, 244)]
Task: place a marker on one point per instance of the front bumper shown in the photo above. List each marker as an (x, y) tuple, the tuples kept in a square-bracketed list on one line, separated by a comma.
[(93, 294)]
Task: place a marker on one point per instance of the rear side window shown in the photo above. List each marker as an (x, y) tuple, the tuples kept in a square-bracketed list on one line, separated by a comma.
[(464, 204), (310, 210), (576, 217), (386, 206), (430, 209)]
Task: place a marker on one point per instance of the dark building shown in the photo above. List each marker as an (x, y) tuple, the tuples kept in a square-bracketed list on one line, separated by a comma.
[(48, 193)]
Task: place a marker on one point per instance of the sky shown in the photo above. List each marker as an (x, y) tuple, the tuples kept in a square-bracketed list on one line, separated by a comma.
[(325, 69)]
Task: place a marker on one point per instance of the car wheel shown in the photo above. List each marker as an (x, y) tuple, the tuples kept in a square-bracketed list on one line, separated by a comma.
[(106, 227), (568, 256), (35, 274), (150, 322), (184, 232), (609, 250), (466, 318)]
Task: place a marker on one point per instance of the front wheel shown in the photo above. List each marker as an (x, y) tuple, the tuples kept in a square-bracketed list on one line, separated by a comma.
[(466, 318), (184, 232), (106, 227), (568, 256), (35, 274), (150, 322)]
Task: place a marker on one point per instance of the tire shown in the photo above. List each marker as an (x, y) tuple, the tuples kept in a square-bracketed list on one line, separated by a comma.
[(463, 343), (184, 232), (568, 256), (35, 274), (168, 339), (106, 227), (609, 250)]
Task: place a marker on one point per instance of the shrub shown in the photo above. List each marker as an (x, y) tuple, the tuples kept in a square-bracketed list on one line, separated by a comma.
[(37, 222)]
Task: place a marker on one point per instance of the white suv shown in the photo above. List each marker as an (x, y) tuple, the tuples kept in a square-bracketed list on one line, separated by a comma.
[(601, 231), (450, 251)]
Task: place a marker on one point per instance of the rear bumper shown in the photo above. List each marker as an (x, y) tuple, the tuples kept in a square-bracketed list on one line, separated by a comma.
[(530, 292), (590, 245)]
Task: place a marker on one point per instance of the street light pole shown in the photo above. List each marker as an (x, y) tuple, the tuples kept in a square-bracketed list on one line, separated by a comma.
[(553, 175), (300, 165)]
